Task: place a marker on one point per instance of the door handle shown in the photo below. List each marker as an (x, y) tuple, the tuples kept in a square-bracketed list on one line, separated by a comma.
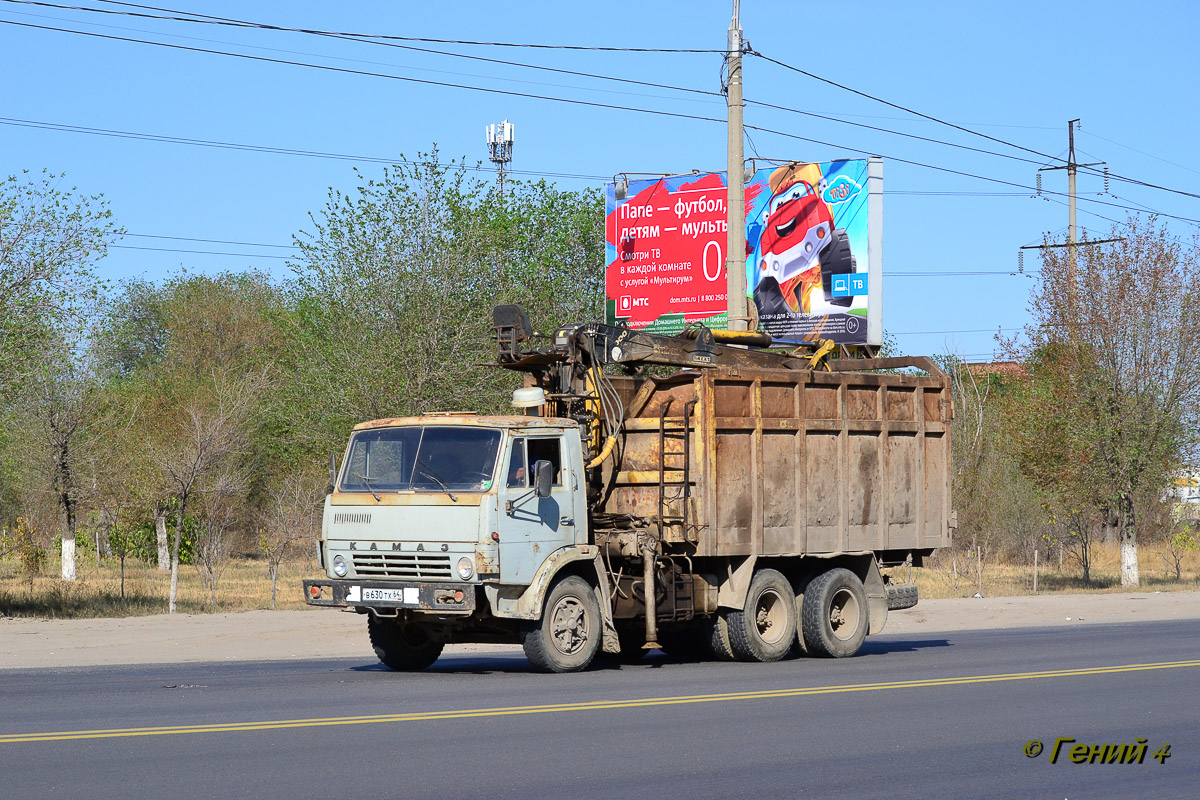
[(567, 521)]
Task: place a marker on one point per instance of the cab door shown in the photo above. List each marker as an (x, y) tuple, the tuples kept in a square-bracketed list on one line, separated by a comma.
[(532, 527)]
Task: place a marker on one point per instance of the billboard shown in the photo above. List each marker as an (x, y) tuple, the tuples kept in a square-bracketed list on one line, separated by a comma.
[(813, 251)]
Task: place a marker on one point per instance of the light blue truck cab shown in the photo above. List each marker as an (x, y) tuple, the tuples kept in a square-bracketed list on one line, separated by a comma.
[(451, 527)]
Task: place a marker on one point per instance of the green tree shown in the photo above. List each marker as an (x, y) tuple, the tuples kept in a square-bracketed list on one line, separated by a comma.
[(394, 290), (50, 239), (1115, 349), (164, 345)]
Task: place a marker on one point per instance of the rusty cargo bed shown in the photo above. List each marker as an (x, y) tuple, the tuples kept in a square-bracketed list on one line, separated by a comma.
[(785, 462)]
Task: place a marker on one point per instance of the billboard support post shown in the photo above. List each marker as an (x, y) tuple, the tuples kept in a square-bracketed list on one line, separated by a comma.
[(735, 203), (875, 249)]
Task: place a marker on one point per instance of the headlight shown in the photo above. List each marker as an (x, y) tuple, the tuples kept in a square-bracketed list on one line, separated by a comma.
[(340, 568), (465, 568)]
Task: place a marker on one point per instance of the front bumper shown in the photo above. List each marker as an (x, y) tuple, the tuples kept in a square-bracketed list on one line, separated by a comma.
[(438, 598)]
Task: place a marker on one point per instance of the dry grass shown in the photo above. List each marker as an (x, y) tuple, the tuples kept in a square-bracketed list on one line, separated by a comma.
[(245, 586), (1008, 580)]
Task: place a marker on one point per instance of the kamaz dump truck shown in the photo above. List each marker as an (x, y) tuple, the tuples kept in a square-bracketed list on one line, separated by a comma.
[(700, 493)]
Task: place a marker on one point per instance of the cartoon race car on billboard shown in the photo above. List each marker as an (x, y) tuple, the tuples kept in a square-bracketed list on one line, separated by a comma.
[(799, 245)]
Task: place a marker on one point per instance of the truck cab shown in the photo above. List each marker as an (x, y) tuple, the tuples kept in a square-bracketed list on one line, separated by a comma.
[(439, 526)]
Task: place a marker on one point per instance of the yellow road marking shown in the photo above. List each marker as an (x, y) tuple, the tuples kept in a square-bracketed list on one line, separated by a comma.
[(595, 705)]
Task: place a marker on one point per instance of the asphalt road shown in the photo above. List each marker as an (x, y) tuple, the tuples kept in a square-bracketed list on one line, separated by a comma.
[(929, 716)]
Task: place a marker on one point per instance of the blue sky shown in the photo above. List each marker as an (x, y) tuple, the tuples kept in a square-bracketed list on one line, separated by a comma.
[(1013, 70)]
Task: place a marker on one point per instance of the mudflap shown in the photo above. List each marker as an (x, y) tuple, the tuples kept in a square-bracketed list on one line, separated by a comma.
[(609, 643), (877, 598)]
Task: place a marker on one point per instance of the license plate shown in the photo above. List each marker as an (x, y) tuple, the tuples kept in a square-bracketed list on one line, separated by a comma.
[(409, 595)]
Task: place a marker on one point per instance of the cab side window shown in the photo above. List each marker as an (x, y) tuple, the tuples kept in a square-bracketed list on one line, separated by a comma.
[(545, 450), (517, 472)]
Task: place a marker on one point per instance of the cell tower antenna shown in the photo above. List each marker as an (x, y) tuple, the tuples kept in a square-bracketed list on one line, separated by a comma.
[(500, 148)]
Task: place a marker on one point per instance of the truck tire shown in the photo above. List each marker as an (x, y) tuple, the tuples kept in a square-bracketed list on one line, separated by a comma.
[(763, 630), (719, 643), (901, 596), (567, 637), (404, 647), (834, 617), (837, 260)]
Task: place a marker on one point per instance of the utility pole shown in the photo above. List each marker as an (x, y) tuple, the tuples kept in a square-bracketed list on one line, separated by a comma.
[(1072, 167), (735, 202)]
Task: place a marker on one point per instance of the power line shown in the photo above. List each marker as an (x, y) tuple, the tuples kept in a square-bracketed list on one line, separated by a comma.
[(961, 127), (572, 101), (917, 193), (418, 38), (241, 23), (938, 333), (173, 15), (166, 139), (958, 274), (196, 142), (199, 252), (346, 70), (210, 241), (250, 25), (1140, 152), (928, 139), (950, 171)]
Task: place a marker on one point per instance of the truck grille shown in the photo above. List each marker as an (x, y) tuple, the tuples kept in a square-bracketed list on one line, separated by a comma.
[(395, 565)]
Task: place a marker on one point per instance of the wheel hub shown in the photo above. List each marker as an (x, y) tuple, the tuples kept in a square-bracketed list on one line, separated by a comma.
[(568, 627), (844, 614), (769, 616)]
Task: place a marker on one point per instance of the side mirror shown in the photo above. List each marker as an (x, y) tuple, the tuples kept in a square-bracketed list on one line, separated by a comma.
[(333, 470), (543, 476)]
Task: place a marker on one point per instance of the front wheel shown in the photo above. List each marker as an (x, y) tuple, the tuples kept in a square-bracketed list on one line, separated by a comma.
[(567, 637), (405, 647), (834, 614)]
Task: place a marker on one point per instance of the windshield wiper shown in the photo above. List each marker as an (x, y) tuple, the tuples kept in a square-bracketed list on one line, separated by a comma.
[(367, 483), (428, 472)]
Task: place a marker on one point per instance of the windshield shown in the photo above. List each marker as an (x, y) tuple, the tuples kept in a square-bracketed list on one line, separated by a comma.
[(422, 459)]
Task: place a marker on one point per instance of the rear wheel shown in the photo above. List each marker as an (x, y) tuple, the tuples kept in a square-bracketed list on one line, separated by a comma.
[(719, 643), (764, 629), (834, 614), (402, 646), (568, 635)]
